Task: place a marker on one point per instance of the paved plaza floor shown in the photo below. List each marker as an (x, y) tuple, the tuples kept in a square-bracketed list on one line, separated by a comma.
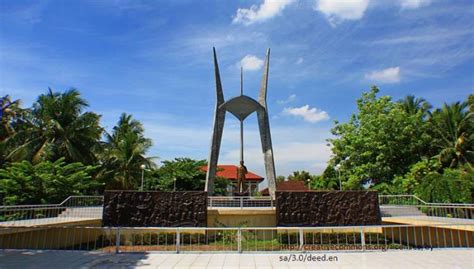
[(448, 258)]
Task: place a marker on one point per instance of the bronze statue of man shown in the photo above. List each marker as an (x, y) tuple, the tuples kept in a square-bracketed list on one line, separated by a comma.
[(241, 172)]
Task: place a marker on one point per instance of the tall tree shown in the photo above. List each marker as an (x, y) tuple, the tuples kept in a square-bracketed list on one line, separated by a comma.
[(9, 111), (381, 139), (453, 127), (124, 153), (413, 105), (12, 119), (329, 180), (184, 173), (59, 128), (300, 175)]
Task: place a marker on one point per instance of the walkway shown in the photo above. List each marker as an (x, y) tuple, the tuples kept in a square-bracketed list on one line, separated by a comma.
[(48, 222), (448, 258), (450, 223)]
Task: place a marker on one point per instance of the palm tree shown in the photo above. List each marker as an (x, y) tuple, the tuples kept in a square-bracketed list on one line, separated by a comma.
[(413, 105), (452, 131), (124, 153), (58, 128), (300, 176), (9, 110), (14, 119)]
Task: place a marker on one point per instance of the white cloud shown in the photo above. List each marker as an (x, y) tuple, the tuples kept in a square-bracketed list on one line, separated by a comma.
[(413, 4), (337, 11), (307, 113), (290, 99), (436, 35), (388, 75), (300, 60), (251, 63), (266, 10)]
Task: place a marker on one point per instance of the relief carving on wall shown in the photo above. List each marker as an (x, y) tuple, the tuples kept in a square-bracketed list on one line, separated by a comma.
[(327, 208), (153, 208)]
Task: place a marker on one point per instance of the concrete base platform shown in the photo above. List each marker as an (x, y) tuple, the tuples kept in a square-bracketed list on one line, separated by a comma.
[(236, 217)]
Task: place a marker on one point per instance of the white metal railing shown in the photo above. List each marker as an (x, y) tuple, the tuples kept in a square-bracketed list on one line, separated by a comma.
[(83, 200), (410, 199), (73, 207), (237, 239), (240, 201), (414, 207), (400, 199), (91, 207), (428, 212)]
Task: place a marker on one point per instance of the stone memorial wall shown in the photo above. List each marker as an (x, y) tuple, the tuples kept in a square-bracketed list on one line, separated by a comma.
[(327, 208), (155, 209)]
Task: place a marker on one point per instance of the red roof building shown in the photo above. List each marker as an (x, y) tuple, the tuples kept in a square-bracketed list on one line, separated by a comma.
[(230, 172), (290, 185)]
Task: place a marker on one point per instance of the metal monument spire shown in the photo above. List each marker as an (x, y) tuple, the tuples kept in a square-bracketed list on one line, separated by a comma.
[(241, 122), (241, 170), (241, 107)]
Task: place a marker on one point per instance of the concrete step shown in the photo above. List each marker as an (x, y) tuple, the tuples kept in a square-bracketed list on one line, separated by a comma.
[(400, 210)]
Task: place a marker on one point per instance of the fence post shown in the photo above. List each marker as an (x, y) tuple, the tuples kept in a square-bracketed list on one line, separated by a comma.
[(362, 238), (178, 240), (301, 234), (271, 202), (117, 240), (241, 202), (210, 200), (239, 240)]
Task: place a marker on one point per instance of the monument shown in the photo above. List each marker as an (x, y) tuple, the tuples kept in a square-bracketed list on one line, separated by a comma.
[(292, 208), (241, 107)]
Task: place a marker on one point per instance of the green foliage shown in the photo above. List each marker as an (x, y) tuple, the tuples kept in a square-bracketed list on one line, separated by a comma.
[(319, 182), (57, 127), (189, 176), (409, 182), (413, 105), (45, 182), (452, 128), (280, 178), (330, 178), (300, 176), (327, 181), (401, 147), (451, 186), (404, 148), (330, 172), (12, 119), (386, 188), (9, 112), (382, 141), (124, 154), (188, 173)]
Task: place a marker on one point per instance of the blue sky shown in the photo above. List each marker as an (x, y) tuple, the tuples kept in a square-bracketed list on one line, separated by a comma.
[(153, 59)]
